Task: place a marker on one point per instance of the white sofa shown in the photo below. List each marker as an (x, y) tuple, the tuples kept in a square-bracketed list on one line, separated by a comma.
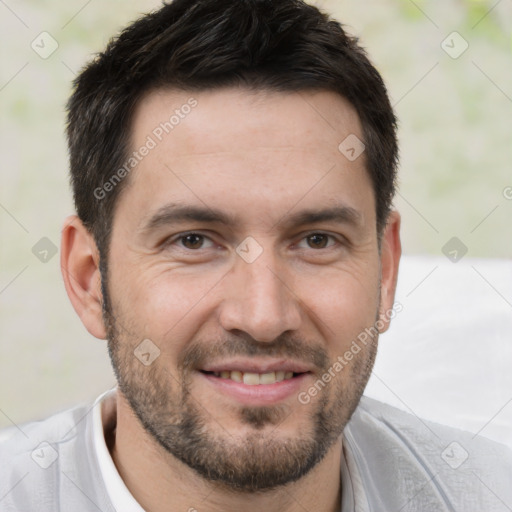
[(447, 356)]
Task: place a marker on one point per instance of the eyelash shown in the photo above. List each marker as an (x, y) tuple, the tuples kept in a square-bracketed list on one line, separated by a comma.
[(181, 237), (320, 233)]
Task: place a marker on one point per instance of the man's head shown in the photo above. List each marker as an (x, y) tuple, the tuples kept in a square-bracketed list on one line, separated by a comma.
[(235, 229), (195, 45)]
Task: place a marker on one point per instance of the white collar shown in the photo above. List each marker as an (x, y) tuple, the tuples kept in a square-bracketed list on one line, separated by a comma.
[(103, 411)]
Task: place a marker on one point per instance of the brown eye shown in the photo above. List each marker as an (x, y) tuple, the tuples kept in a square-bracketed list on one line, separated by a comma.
[(192, 241), (317, 241)]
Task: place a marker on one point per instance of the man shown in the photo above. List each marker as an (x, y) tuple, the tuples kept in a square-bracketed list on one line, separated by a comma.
[(233, 165)]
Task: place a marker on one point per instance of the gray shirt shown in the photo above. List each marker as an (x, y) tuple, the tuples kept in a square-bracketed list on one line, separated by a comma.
[(392, 462)]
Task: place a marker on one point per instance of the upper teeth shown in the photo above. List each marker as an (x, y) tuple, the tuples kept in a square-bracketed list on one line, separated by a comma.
[(253, 379)]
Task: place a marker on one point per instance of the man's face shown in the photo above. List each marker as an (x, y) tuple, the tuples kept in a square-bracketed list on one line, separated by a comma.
[(244, 247)]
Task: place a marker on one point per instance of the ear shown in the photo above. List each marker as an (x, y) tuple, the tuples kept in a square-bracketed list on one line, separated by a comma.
[(79, 263), (391, 250)]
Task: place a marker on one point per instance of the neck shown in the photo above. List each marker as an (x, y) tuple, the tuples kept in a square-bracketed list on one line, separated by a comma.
[(160, 482)]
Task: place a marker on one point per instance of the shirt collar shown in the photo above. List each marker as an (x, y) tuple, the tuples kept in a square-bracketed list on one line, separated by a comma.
[(103, 417)]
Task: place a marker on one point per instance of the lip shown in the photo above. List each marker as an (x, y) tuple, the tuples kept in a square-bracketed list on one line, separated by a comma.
[(255, 365), (260, 394)]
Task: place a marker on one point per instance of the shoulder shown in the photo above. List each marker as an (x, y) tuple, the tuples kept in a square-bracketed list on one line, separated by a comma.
[(46, 463), (57, 430), (407, 458)]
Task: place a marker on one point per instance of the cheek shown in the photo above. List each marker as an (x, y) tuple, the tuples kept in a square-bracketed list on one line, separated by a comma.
[(343, 306), (164, 305)]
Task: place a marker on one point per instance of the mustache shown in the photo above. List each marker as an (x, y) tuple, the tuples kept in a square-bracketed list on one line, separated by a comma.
[(286, 346)]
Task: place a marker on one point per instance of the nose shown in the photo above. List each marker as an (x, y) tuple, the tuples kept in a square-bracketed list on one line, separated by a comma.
[(259, 301)]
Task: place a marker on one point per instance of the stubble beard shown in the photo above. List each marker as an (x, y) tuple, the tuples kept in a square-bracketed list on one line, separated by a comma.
[(262, 460)]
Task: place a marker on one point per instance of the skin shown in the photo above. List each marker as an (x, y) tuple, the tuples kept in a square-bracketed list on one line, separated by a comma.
[(261, 158)]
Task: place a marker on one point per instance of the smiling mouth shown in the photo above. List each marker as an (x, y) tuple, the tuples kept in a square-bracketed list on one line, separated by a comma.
[(254, 379)]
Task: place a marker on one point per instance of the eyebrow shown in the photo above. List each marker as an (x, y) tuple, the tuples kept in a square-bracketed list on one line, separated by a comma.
[(174, 213), (339, 214)]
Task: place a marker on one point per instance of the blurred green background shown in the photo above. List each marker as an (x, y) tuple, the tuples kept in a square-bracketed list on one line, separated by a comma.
[(456, 157)]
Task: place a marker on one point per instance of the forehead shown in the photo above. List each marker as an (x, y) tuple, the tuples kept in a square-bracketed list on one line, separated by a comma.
[(221, 119), (233, 142)]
